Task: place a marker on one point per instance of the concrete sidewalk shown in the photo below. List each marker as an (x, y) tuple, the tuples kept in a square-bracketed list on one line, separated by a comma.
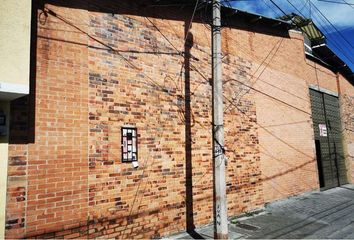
[(316, 215)]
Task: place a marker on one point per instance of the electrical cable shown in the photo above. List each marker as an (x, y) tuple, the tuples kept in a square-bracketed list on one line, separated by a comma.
[(276, 14), (285, 14), (334, 27), (170, 43), (303, 6), (276, 5), (337, 46), (335, 43), (190, 22), (344, 2), (296, 9), (349, 4)]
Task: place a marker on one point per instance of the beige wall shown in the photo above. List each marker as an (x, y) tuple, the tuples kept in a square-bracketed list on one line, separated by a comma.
[(4, 106), (15, 24)]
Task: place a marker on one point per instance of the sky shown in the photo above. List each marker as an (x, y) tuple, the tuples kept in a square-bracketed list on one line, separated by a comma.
[(339, 29)]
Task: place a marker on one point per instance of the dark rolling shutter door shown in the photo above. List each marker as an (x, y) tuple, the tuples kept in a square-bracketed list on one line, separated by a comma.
[(329, 146), (318, 117), (335, 136)]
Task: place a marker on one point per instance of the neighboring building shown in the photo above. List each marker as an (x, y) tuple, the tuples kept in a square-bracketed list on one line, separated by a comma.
[(15, 25), (116, 81)]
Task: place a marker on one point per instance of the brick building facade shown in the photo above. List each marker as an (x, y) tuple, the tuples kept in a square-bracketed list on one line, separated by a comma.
[(101, 65)]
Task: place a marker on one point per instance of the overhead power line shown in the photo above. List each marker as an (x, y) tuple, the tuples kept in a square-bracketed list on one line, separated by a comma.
[(276, 14), (344, 2), (334, 27), (349, 4), (276, 5), (335, 43), (296, 8)]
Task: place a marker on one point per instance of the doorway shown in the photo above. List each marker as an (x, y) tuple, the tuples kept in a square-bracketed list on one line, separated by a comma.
[(328, 139)]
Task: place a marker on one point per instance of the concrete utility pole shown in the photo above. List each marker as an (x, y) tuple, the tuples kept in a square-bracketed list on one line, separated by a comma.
[(220, 208)]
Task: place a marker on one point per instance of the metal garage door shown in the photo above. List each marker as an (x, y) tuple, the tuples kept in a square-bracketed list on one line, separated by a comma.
[(328, 139)]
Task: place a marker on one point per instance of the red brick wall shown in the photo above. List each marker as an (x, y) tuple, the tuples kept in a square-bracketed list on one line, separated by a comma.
[(149, 92), (17, 190), (54, 168), (97, 71), (282, 81), (284, 117), (347, 114)]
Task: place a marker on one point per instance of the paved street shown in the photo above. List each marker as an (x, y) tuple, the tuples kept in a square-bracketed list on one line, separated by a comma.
[(316, 215)]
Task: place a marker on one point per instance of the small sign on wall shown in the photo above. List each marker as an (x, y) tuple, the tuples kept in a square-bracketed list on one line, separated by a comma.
[(323, 130), (129, 144)]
